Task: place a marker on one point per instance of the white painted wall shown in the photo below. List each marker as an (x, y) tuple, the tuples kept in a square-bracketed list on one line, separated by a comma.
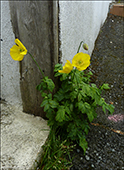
[(10, 88), (80, 20)]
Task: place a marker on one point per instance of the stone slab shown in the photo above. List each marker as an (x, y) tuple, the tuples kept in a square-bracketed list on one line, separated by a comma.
[(22, 136)]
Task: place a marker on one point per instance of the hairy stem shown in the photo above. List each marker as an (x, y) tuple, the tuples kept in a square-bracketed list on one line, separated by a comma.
[(79, 46)]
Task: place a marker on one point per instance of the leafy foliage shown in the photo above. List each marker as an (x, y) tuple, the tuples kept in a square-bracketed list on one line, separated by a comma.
[(73, 106), (56, 153)]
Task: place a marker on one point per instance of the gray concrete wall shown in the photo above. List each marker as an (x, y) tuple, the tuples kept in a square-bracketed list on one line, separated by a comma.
[(10, 77), (34, 24), (79, 21)]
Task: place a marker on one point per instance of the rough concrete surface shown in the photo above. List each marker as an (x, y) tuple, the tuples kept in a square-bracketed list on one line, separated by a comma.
[(106, 135), (22, 138)]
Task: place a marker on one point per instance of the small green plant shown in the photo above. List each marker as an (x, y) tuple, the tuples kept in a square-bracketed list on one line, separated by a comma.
[(73, 106), (70, 109)]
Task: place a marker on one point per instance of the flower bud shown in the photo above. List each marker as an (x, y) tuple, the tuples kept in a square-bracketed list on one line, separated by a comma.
[(85, 46)]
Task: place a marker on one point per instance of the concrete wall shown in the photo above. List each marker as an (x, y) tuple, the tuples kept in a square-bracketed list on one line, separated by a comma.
[(79, 21), (10, 77)]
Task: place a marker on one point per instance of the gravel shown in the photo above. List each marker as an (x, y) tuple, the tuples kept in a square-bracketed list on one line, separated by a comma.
[(106, 136), (105, 151)]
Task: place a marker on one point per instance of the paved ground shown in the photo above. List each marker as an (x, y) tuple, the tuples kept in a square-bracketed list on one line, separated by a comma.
[(22, 136), (106, 136)]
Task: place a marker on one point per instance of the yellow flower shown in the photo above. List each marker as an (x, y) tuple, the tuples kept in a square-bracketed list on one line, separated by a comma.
[(81, 61), (67, 67), (18, 51)]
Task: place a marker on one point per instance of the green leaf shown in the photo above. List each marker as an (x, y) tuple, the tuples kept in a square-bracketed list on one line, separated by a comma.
[(93, 85), (50, 84), (50, 96), (73, 94), (60, 117), (57, 74), (101, 101), (87, 106), (53, 104), (67, 110), (111, 108), (43, 94), (46, 107), (63, 77), (83, 93), (71, 107), (65, 86), (45, 101), (83, 143), (58, 67), (90, 73), (72, 131), (86, 88), (86, 129), (80, 105), (104, 108), (42, 86), (90, 116), (105, 86), (38, 87), (60, 95), (79, 97)]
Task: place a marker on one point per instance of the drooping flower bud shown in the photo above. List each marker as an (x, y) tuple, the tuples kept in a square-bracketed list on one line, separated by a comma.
[(85, 46)]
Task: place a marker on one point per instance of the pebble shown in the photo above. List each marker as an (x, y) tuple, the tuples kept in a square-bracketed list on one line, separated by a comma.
[(87, 158), (98, 161), (78, 150), (113, 150), (92, 166), (81, 158), (88, 148), (97, 154)]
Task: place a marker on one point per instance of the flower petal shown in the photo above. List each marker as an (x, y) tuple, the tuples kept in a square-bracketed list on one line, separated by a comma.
[(67, 67), (16, 56), (18, 42), (81, 61), (18, 51)]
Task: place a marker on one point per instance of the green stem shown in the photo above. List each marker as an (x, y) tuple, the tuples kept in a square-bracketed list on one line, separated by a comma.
[(37, 65), (79, 46)]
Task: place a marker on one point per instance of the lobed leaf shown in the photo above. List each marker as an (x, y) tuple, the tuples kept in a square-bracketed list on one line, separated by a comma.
[(60, 117), (53, 103), (50, 84), (45, 101), (105, 86), (83, 143)]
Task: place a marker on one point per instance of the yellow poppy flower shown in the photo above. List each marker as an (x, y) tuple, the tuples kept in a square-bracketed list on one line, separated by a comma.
[(81, 61), (67, 67), (18, 51)]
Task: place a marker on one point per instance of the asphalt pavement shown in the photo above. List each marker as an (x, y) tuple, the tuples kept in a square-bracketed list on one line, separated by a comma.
[(106, 136)]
